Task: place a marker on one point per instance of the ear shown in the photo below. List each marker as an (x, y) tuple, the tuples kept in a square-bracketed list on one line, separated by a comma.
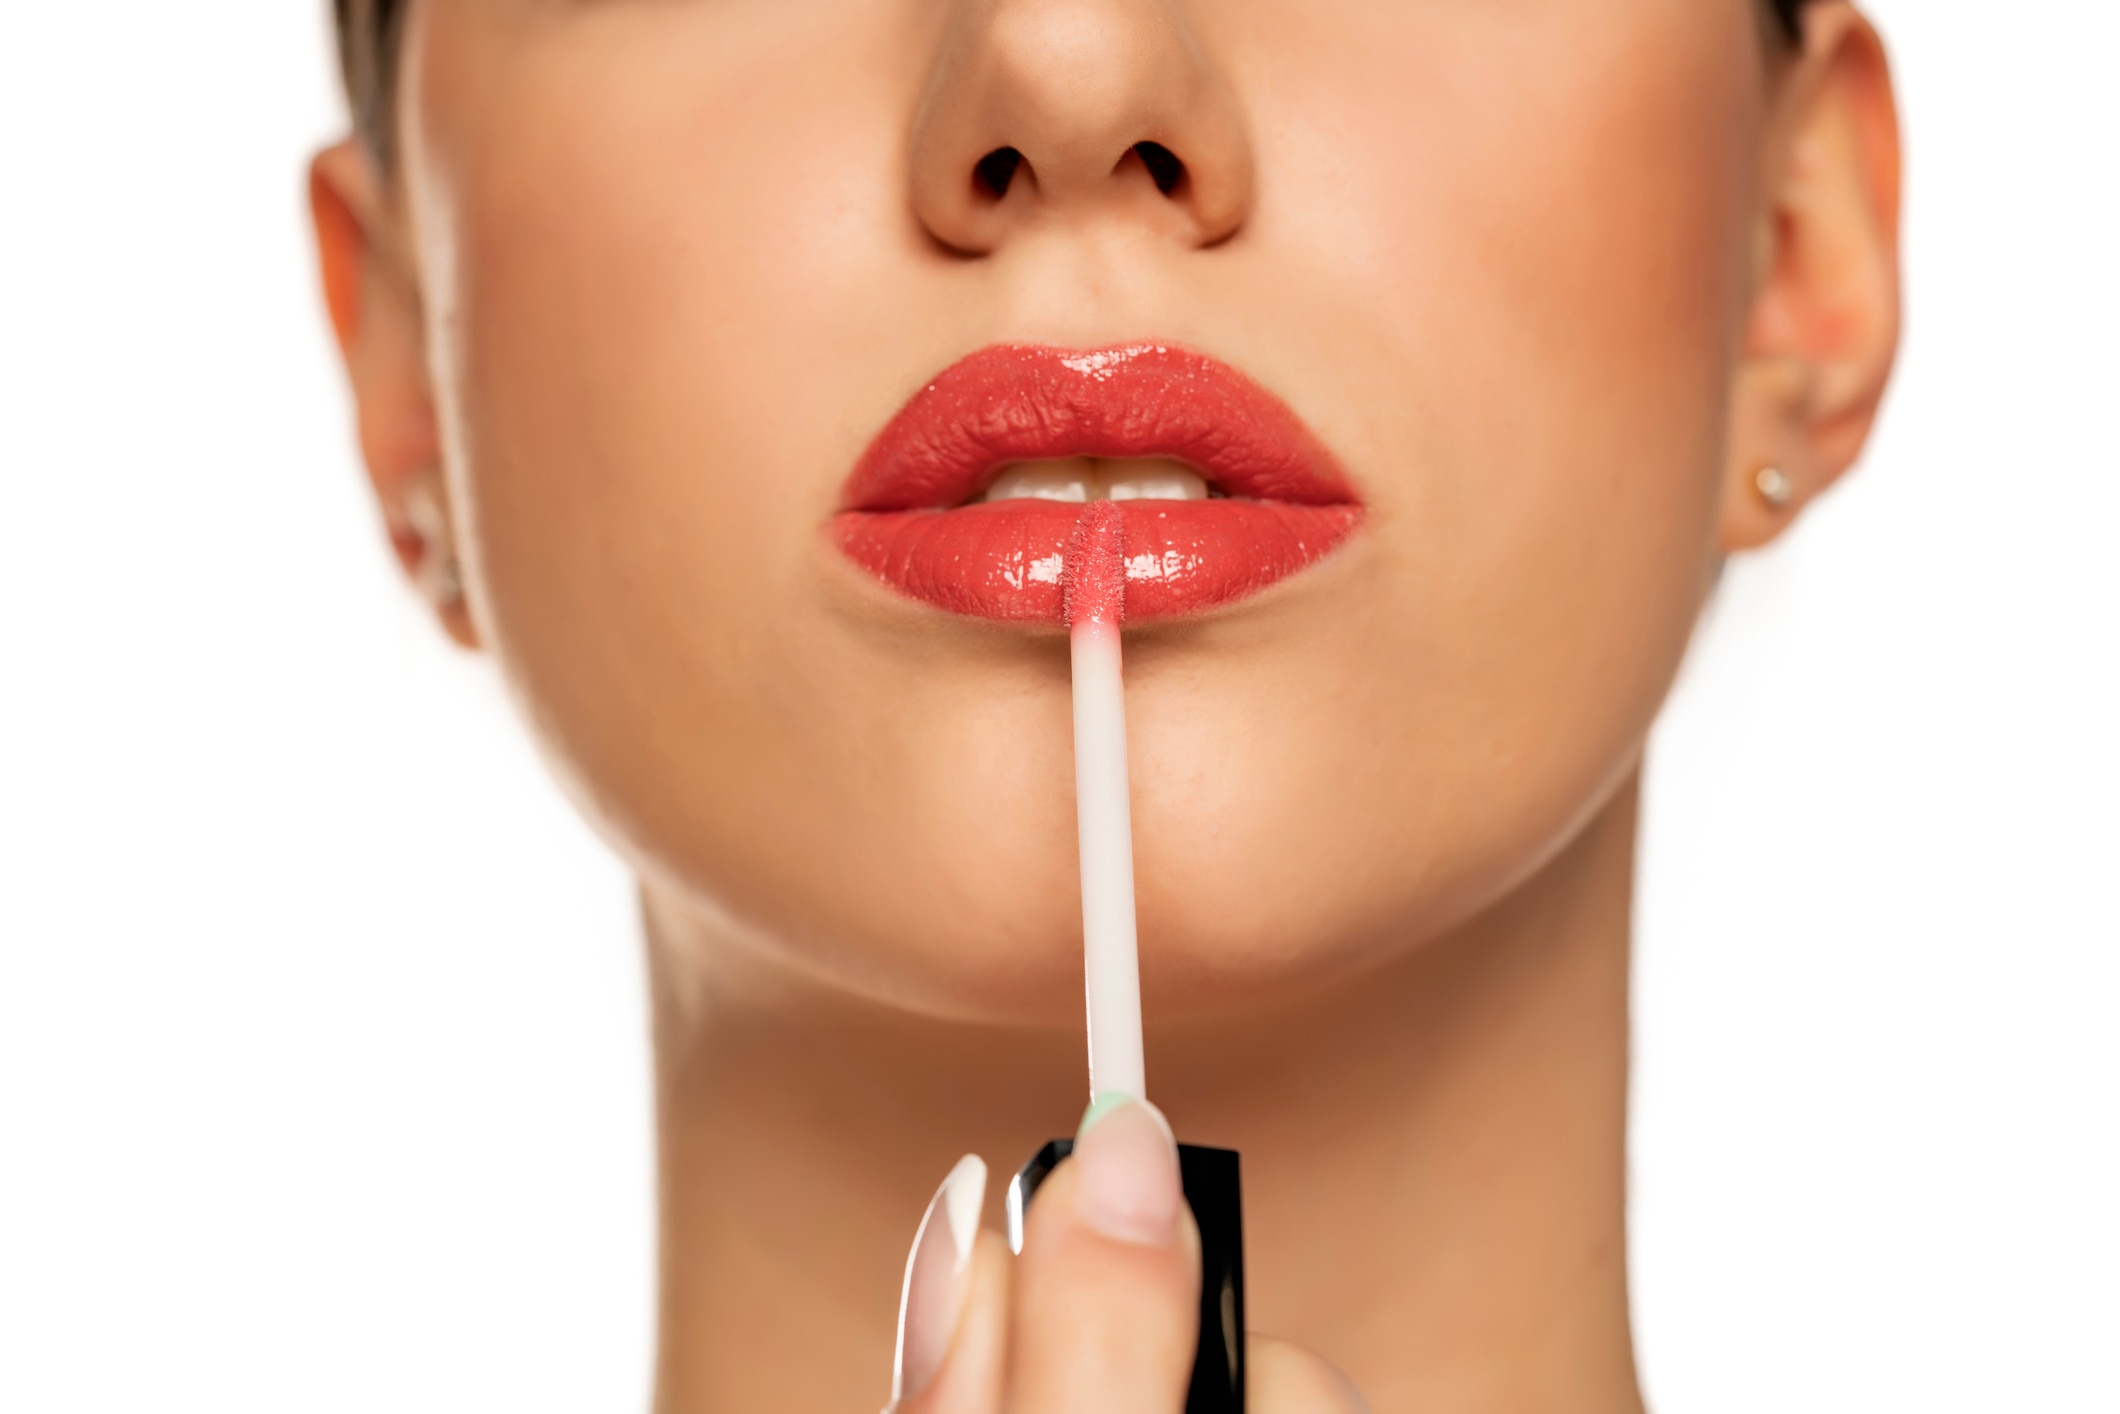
[(1824, 322), (374, 302)]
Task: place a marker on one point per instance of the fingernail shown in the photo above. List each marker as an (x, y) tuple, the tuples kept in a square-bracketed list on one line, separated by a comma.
[(935, 1277), (1126, 1166)]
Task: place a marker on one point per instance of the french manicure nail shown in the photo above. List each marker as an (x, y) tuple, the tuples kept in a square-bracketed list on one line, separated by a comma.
[(935, 1277), (1127, 1173)]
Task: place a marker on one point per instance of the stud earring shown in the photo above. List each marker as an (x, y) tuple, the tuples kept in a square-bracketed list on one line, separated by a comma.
[(1774, 487), (439, 579), (441, 582)]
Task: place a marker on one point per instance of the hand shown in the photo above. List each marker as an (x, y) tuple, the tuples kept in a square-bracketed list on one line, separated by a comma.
[(1099, 1313)]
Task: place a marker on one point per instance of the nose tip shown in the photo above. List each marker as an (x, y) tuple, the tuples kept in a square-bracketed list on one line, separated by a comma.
[(1043, 108)]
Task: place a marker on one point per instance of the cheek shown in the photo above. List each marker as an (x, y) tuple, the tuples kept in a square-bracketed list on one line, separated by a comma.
[(659, 336), (661, 349), (1533, 227)]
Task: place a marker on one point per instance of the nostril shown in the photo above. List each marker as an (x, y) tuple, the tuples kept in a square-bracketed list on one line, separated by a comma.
[(996, 171), (1163, 165)]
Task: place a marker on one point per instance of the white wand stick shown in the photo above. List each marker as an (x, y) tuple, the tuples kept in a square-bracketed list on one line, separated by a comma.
[(1095, 582)]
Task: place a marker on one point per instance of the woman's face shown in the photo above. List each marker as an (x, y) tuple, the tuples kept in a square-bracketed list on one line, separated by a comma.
[(683, 260)]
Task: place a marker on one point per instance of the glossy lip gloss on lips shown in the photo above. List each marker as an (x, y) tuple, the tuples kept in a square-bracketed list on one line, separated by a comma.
[(968, 497)]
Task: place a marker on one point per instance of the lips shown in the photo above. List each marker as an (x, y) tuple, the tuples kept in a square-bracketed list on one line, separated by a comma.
[(911, 515)]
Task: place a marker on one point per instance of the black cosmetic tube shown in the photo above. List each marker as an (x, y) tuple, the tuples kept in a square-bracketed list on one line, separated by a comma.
[(1214, 1190)]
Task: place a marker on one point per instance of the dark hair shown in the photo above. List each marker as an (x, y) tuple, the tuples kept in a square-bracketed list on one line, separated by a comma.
[(368, 44)]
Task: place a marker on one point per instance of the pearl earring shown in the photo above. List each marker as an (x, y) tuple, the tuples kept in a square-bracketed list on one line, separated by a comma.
[(437, 575), (441, 581), (1774, 487)]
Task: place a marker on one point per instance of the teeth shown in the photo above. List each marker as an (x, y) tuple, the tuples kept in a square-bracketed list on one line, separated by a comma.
[(1168, 482), (1080, 479), (1044, 481)]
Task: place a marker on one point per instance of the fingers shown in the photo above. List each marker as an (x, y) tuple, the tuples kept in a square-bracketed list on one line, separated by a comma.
[(938, 1276), (1286, 1379), (1101, 1310), (970, 1378), (953, 1311), (1107, 1289)]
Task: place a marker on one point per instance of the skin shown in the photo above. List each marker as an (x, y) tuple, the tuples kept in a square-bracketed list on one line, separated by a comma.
[(1554, 281)]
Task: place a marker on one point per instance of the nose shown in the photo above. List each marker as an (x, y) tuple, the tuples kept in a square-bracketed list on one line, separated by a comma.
[(1050, 109)]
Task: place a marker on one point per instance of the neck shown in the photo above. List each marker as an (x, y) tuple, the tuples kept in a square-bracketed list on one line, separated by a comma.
[(1434, 1156)]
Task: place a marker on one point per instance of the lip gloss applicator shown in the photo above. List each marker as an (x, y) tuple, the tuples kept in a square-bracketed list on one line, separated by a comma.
[(1094, 584), (1094, 581)]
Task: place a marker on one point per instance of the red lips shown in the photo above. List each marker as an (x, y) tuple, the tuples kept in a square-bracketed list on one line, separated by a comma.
[(1285, 503)]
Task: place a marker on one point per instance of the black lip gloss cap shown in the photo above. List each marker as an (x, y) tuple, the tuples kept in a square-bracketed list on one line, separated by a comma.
[(1213, 1188)]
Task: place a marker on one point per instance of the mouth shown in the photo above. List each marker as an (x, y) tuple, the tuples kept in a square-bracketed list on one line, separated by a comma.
[(968, 497)]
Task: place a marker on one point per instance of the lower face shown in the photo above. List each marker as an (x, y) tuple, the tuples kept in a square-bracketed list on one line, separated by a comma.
[(1494, 259)]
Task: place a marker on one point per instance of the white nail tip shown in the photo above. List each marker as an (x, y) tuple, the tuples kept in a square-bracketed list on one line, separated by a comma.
[(935, 1278), (963, 1195)]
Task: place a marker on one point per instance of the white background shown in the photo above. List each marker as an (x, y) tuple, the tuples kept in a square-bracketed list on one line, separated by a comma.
[(322, 1057)]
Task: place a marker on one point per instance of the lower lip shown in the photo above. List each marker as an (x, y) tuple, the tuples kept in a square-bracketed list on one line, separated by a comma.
[(1003, 559)]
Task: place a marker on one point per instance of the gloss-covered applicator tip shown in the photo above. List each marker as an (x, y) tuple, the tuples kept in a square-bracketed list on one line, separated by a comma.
[(1093, 576)]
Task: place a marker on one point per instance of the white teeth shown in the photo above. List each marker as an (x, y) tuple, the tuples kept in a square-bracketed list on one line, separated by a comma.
[(1079, 479), (1172, 484), (1043, 481)]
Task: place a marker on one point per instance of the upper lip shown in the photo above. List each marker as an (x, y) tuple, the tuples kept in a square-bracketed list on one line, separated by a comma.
[(1015, 403)]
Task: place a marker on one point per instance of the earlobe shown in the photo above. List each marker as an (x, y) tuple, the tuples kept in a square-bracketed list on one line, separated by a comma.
[(1772, 470), (1823, 330), (376, 316)]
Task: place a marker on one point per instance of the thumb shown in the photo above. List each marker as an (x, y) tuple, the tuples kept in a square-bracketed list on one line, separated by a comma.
[(1107, 1289)]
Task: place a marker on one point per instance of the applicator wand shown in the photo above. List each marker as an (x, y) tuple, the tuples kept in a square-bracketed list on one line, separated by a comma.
[(1094, 584), (1094, 592)]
